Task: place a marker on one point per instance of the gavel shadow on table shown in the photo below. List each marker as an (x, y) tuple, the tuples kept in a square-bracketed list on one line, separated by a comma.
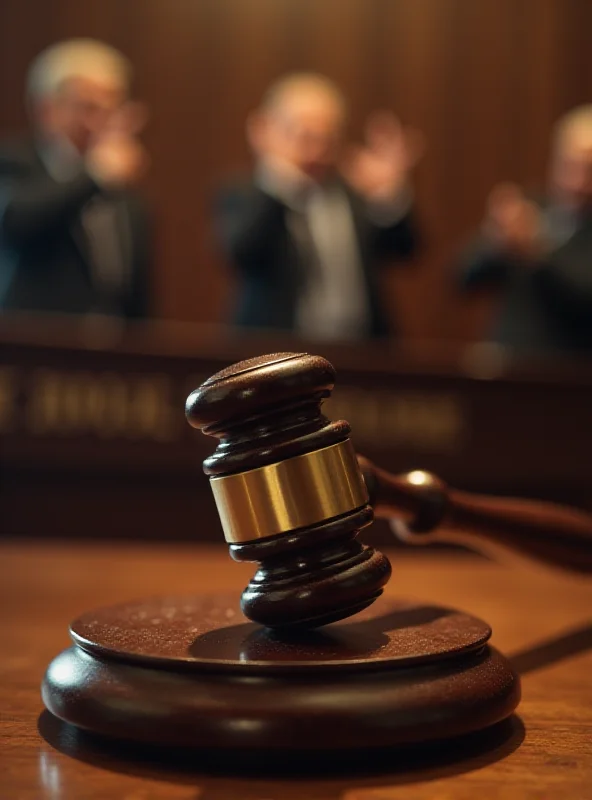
[(317, 658)]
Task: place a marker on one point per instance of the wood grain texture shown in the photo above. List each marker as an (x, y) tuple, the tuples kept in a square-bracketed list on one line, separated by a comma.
[(483, 80), (522, 432), (190, 672), (538, 617)]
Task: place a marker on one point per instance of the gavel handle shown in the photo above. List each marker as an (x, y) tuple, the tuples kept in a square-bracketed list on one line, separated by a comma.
[(551, 533)]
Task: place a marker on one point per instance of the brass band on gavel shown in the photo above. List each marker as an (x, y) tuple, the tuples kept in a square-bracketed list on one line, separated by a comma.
[(290, 494)]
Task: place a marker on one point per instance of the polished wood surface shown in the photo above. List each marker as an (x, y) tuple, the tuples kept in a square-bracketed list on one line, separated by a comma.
[(540, 618), (192, 672)]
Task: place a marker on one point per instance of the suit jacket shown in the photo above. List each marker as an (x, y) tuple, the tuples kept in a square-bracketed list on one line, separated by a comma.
[(256, 238), (45, 260), (545, 306)]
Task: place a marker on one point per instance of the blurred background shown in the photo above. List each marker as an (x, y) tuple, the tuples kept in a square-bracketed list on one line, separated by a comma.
[(93, 423), (484, 81)]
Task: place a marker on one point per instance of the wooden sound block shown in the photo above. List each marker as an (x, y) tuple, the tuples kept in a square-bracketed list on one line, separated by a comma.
[(193, 672)]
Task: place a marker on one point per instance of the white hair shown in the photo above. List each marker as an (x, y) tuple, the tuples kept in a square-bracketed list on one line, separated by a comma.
[(296, 82), (575, 127), (75, 58)]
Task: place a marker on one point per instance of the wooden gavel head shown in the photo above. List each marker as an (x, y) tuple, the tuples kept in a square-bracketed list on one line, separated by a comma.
[(289, 490)]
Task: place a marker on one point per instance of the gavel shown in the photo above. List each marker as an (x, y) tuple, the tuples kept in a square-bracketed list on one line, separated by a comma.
[(292, 496)]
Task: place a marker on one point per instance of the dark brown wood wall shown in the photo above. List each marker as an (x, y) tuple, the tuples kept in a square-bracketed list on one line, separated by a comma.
[(483, 78)]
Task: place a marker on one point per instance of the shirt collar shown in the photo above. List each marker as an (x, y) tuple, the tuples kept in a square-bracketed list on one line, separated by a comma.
[(60, 158)]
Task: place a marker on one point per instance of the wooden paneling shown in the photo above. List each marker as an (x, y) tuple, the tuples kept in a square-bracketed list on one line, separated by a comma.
[(484, 80), (92, 429)]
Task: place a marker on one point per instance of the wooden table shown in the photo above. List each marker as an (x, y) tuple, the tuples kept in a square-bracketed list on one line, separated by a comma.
[(539, 617)]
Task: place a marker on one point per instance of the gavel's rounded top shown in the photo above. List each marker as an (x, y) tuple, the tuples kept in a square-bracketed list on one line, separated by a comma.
[(264, 410), (252, 387)]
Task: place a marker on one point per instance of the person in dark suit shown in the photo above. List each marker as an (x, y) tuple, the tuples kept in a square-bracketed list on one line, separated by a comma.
[(74, 237), (539, 253), (308, 232)]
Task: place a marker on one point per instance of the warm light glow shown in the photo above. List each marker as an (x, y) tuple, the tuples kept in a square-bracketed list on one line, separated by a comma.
[(418, 477), (49, 774)]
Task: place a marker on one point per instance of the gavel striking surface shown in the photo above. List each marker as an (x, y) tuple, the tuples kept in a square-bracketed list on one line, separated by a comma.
[(194, 672), (46, 584)]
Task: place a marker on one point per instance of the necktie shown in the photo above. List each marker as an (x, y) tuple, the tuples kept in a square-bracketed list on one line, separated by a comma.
[(333, 301)]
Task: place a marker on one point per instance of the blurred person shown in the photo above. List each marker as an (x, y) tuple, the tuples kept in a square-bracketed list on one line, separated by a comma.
[(539, 252), (74, 237), (308, 232)]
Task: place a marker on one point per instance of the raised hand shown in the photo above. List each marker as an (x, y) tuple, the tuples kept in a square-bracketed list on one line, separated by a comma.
[(379, 170), (117, 158), (513, 222)]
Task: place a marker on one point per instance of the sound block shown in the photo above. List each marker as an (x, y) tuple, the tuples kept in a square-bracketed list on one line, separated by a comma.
[(193, 672)]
